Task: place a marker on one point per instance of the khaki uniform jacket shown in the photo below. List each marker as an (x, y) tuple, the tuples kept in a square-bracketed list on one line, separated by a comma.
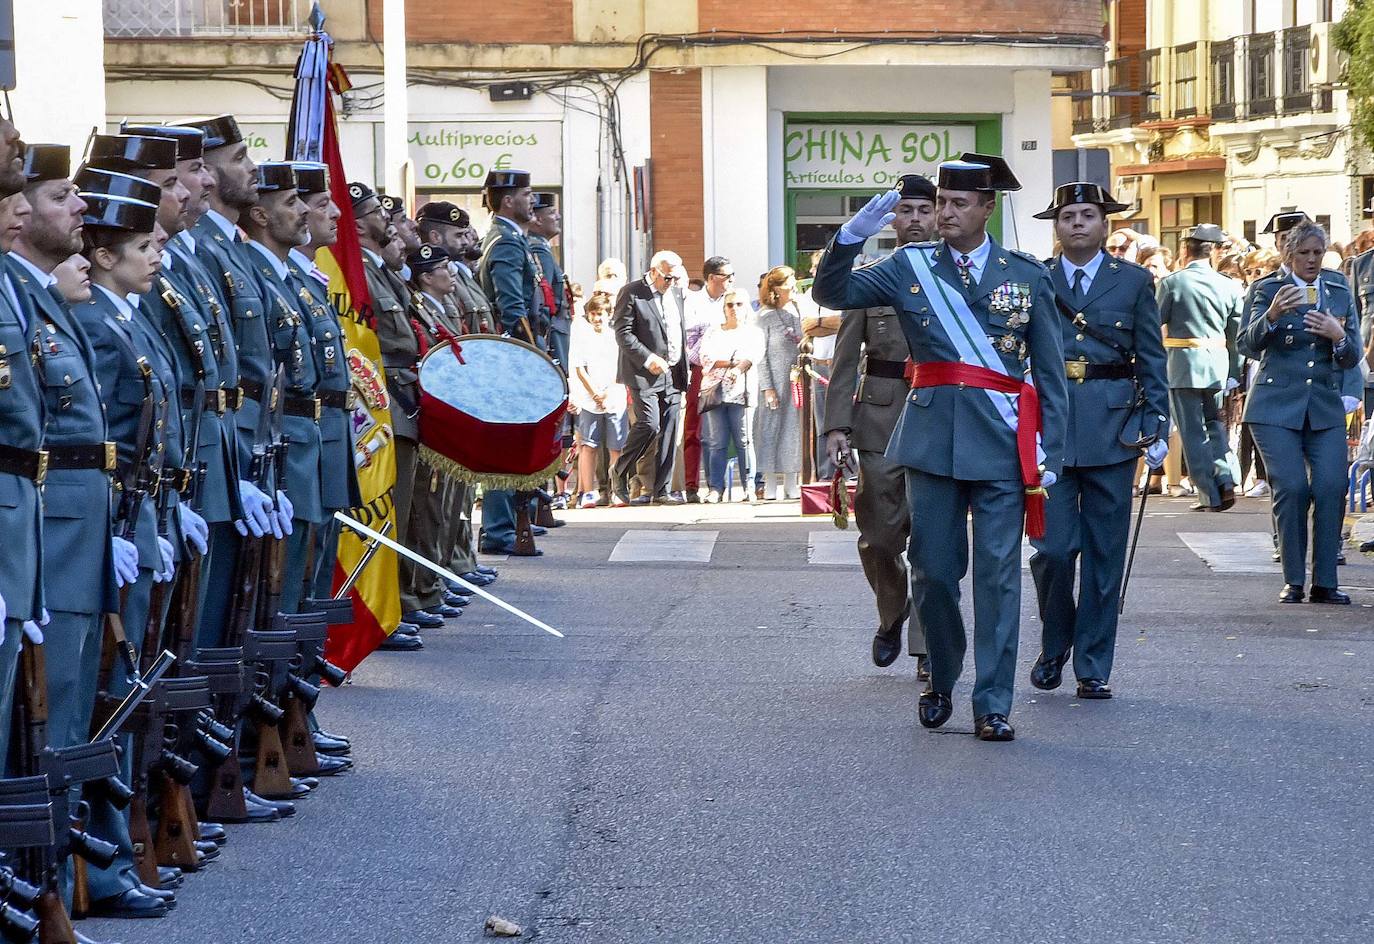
[(867, 407), (400, 349)]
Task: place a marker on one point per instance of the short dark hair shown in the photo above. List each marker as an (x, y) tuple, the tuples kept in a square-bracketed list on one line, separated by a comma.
[(714, 266), (1196, 248)]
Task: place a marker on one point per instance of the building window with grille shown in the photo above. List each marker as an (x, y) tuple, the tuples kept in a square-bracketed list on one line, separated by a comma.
[(1185, 81), (1180, 213), (1259, 50), (1223, 63)]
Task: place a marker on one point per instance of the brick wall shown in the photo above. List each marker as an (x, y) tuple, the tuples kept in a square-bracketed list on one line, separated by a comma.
[(500, 21), (1064, 17), (675, 146)]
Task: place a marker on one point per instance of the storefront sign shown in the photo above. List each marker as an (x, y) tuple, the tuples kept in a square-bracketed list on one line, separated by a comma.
[(846, 156), (460, 153), (266, 142)]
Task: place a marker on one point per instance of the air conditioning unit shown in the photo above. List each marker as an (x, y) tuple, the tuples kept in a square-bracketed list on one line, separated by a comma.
[(1324, 61)]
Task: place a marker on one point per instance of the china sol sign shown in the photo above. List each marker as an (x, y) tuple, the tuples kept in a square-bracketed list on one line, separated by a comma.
[(846, 156)]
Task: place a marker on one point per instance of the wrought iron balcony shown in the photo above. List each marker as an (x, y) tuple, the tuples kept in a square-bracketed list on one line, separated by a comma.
[(196, 18)]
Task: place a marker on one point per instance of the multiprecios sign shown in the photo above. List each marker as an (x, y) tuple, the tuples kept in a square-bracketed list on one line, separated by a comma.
[(460, 153), (861, 155)]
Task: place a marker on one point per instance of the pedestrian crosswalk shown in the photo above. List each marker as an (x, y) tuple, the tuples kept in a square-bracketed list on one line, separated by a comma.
[(1247, 552), (681, 546)]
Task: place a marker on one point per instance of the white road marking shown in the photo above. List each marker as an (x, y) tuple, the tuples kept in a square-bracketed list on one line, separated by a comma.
[(1233, 552), (833, 547), (680, 546)]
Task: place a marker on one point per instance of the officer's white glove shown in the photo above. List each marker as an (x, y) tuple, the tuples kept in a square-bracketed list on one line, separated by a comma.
[(1231, 384), (33, 633), (195, 529), (1351, 404), (125, 561), (1048, 478), (283, 513), (165, 551), (1155, 453), (4, 611), (257, 511), (871, 220)]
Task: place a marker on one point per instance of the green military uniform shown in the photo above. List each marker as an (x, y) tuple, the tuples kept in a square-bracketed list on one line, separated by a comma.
[(1297, 418), (557, 321), (1200, 309), (472, 303)]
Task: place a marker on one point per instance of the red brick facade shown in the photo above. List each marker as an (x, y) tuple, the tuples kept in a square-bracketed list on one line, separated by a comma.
[(488, 21), (1063, 17), (675, 146)]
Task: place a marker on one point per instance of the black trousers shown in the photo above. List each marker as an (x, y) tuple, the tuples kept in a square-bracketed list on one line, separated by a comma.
[(656, 415)]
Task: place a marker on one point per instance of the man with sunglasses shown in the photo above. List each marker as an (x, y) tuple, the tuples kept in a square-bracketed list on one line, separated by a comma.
[(703, 311)]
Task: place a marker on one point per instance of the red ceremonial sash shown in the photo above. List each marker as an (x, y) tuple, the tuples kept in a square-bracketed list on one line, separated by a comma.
[(949, 373)]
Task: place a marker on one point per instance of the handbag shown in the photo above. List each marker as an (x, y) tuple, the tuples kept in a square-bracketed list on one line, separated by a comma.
[(711, 397)]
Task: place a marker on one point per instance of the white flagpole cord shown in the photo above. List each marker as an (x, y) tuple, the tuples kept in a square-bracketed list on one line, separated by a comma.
[(428, 564)]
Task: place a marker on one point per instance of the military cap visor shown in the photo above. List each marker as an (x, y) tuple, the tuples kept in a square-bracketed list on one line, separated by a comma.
[(109, 212), (441, 211), (114, 184), (275, 177), (47, 162), (220, 131), (311, 178), (1283, 222), (1081, 192), (1206, 233), (427, 258), (190, 141), (545, 201), (132, 152), (916, 187)]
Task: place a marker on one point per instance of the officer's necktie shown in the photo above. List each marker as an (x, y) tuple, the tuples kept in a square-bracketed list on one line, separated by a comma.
[(1078, 284), (965, 265)]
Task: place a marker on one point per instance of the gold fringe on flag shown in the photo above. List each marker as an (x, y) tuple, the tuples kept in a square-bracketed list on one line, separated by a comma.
[(490, 480)]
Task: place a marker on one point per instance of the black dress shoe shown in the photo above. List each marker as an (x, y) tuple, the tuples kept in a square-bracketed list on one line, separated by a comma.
[(487, 571), (162, 893), (922, 668), (444, 611), (993, 728), (693, 498), (399, 642), (328, 765), (169, 876), (1340, 559), (257, 813), (1228, 497), (407, 629), (132, 903), (214, 832), (886, 649), (423, 619), (934, 708), (1048, 674), (456, 599), (1091, 688), (284, 808), (296, 791), (479, 579), (1328, 595), (330, 745), (1291, 593)]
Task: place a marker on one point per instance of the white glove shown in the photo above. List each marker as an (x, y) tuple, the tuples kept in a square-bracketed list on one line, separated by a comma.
[(1048, 478), (871, 220), (33, 633), (125, 561), (3, 611), (1155, 453), (283, 513), (164, 548), (1231, 384), (257, 511), (195, 529), (1351, 404)]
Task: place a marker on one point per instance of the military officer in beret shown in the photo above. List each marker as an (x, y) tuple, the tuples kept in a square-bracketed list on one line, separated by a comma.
[(445, 224), (869, 381), (395, 209), (974, 314), (1200, 309), (545, 224), (1118, 405), (1302, 325), (507, 276)]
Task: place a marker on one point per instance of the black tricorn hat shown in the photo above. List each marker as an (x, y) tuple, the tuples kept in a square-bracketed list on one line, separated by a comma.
[(503, 180), (442, 211), (111, 183), (916, 187), (360, 193), (47, 162), (1081, 192), (275, 176), (103, 210), (311, 177), (972, 171), (219, 131), (1206, 233), (1284, 220), (190, 141), (132, 153), (543, 200), (427, 258)]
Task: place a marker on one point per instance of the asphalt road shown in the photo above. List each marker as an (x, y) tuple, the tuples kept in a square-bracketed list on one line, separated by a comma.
[(710, 756)]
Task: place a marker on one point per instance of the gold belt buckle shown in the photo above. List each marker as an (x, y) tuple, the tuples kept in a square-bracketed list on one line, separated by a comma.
[(111, 457), (1075, 370), (316, 401), (41, 468)]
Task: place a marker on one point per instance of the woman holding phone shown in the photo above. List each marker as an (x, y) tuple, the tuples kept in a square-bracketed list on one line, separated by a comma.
[(1302, 327)]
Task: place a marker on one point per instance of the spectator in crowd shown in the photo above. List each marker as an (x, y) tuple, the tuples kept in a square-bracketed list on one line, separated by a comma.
[(1257, 264), (599, 398), (1230, 265), (727, 353), (612, 273), (819, 327), (1158, 259), (704, 310), (1121, 245), (777, 425)]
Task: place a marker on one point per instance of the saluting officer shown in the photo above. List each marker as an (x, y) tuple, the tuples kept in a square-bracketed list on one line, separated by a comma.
[(1303, 327), (507, 276), (546, 223), (974, 313), (1200, 309), (339, 485), (869, 381), (1118, 405), (275, 225)]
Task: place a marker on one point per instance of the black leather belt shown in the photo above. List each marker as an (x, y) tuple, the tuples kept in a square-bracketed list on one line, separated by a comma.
[(309, 407), (233, 398), (1082, 370), (891, 370), (250, 389), (216, 401), (27, 463), (100, 456), (337, 399)]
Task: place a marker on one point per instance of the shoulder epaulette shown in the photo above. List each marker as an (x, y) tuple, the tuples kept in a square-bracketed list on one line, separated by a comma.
[(1027, 256)]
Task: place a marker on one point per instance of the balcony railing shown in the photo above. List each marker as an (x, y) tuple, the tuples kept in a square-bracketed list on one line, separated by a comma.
[(1259, 70), (1149, 85), (192, 18), (1123, 85), (1223, 70)]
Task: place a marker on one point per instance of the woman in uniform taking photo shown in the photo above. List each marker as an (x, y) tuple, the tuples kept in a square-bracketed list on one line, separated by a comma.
[(1303, 330)]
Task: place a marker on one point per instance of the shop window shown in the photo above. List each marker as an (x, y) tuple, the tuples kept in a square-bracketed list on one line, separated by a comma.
[(1178, 214)]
